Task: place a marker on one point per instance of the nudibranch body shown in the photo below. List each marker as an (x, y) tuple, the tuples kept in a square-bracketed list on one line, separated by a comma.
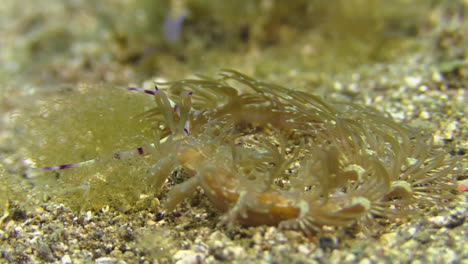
[(265, 154)]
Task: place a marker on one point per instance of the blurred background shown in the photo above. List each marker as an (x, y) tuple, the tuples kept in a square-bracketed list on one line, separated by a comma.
[(118, 41)]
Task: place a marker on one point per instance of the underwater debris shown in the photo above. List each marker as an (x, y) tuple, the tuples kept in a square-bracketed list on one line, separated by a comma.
[(265, 154), (172, 26), (172, 29)]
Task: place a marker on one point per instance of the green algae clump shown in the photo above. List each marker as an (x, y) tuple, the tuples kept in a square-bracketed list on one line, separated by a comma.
[(87, 123)]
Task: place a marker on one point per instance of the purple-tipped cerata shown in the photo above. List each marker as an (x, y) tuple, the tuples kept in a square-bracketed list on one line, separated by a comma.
[(141, 90), (61, 167), (140, 151)]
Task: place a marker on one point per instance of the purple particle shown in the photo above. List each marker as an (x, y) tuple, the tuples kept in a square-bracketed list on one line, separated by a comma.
[(140, 151), (172, 28)]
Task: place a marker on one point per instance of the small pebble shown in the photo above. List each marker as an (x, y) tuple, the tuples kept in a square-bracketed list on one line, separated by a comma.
[(66, 259), (187, 257), (438, 221)]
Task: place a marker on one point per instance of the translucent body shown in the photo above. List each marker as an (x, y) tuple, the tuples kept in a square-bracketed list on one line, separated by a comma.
[(265, 154)]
